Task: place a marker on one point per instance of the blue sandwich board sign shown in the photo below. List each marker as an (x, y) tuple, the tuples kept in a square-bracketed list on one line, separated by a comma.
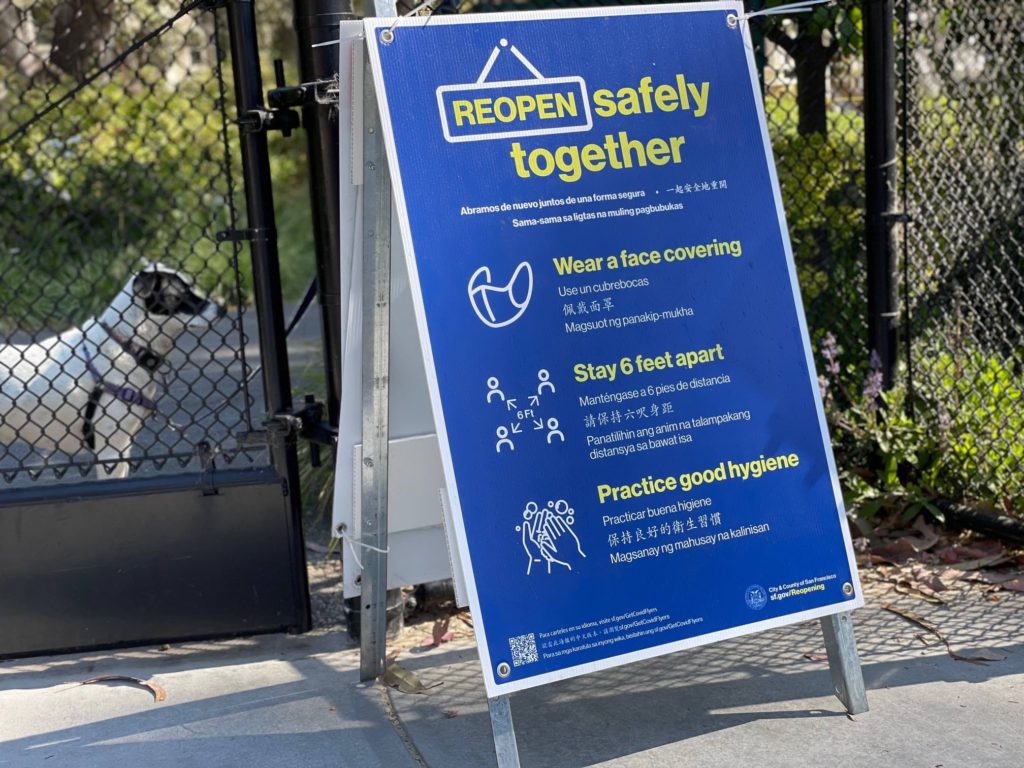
[(634, 443)]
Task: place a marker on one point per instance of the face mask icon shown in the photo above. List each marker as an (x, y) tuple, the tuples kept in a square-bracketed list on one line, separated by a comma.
[(501, 305)]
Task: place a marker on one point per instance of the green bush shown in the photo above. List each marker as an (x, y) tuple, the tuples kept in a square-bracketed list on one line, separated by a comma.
[(822, 181), (957, 435)]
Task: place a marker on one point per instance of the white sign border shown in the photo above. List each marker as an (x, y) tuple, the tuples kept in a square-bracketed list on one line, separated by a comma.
[(493, 686)]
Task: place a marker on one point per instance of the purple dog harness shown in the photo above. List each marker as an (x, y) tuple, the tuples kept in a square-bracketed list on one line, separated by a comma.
[(125, 394)]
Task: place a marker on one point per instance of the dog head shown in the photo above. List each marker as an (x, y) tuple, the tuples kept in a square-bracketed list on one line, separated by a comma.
[(168, 297), (157, 304)]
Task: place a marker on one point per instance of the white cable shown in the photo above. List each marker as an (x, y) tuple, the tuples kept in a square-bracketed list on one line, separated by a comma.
[(351, 541), (800, 7)]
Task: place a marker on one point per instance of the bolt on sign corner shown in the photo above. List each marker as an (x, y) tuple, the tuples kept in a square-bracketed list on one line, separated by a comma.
[(620, 372)]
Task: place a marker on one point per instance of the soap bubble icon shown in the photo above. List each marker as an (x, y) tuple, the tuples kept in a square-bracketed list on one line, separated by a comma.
[(501, 305)]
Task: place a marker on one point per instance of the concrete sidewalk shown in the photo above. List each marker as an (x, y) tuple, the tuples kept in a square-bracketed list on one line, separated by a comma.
[(296, 701)]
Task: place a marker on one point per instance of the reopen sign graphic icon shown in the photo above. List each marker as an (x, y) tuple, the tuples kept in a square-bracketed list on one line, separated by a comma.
[(508, 109)]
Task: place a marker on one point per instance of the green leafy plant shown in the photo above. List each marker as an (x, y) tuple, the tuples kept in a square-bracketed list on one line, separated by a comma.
[(959, 441)]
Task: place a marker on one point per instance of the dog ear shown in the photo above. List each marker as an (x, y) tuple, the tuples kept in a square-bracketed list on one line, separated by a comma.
[(146, 284)]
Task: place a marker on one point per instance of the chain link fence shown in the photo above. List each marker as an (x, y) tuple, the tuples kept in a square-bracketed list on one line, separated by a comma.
[(116, 173), (962, 142), (114, 149)]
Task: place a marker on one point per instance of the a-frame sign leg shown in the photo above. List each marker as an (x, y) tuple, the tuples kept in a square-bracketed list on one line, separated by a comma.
[(376, 355), (504, 732), (844, 663)]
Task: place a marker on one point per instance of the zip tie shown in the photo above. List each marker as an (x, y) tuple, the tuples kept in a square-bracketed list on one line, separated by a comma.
[(800, 7), (351, 541), (388, 35)]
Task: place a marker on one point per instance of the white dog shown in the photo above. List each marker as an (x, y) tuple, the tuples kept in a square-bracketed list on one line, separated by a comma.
[(91, 388)]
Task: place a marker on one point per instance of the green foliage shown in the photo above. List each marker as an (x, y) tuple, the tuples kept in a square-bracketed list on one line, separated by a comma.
[(822, 180), (960, 441), (119, 175)]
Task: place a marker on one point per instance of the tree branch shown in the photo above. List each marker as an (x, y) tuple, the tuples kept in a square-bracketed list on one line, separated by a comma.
[(781, 39)]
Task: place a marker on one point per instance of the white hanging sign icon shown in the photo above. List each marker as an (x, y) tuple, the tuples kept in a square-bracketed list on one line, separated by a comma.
[(508, 109)]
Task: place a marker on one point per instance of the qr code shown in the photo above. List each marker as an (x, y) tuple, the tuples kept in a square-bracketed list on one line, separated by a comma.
[(524, 649)]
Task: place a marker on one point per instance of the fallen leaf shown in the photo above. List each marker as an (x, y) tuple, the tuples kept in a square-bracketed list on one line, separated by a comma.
[(816, 656), (1014, 585), (993, 578), (159, 694), (981, 549), (927, 577), (405, 680), (896, 552), (921, 593), (450, 713), (982, 562)]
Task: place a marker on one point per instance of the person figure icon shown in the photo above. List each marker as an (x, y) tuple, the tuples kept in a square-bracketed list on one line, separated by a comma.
[(545, 381), (502, 433), (492, 389), (554, 431)]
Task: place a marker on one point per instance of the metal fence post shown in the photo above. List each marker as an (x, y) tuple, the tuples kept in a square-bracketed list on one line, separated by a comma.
[(262, 236), (880, 182), (316, 21), (376, 330)]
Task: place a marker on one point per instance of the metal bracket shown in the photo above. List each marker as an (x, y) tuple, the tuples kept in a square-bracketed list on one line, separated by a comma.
[(898, 217), (206, 455), (263, 234), (323, 92), (256, 120), (306, 421)]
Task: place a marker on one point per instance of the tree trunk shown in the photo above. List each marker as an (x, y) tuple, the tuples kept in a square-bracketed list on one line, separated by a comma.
[(81, 32), (811, 60)]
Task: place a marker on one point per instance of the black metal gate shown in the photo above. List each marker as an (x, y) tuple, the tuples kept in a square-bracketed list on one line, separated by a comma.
[(148, 479)]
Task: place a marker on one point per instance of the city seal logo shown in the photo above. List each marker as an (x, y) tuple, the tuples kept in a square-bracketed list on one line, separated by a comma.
[(756, 597)]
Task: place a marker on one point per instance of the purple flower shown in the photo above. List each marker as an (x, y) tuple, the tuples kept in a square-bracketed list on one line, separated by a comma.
[(873, 381), (830, 351)]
